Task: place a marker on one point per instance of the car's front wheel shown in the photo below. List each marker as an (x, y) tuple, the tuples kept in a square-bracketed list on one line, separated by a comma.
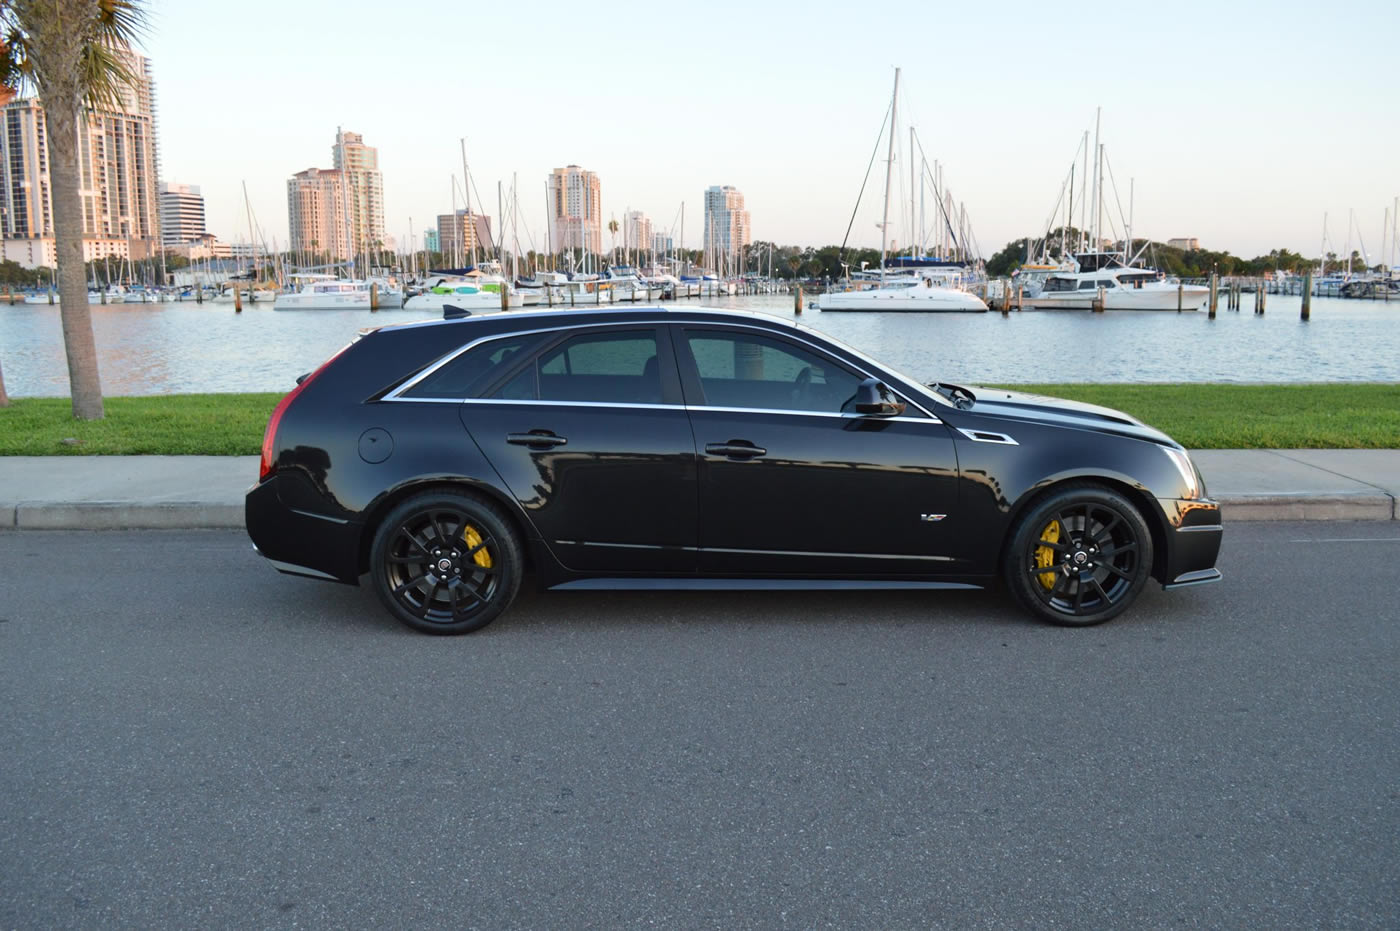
[(1079, 556), (446, 563)]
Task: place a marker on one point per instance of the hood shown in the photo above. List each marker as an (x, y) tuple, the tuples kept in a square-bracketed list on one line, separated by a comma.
[(1014, 405)]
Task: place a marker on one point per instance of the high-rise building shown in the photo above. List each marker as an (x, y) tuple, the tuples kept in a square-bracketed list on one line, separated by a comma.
[(316, 214), (661, 243), (430, 241), (181, 213), (575, 210), (364, 192), (464, 236), (118, 165), (636, 231), (726, 224)]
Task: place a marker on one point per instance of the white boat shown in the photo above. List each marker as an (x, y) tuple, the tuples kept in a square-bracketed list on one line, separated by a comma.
[(326, 292), (473, 292), (1124, 288), (926, 294)]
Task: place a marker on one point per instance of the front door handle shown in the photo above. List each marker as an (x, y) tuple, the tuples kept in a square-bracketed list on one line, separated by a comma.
[(536, 439), (736, 449)]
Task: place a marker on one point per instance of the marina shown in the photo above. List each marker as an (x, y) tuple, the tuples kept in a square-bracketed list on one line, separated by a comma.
[(183, 347)]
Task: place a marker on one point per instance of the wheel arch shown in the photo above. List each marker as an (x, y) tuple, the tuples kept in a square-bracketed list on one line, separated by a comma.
[(1145, 503), (376, 512)]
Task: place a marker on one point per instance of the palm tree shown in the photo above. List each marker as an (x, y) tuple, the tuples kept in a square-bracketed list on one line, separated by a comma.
[(612, 229), (70, 53)]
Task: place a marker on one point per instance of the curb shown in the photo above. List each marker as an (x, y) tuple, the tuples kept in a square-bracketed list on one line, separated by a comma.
[(1307, 507), (122, 515), (193, 515)]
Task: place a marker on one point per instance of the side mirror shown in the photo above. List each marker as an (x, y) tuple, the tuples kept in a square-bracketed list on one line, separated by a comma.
[(874, 398), (453, 312)]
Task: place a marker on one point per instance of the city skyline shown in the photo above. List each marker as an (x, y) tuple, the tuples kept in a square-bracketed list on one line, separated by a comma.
[(1230, 127)]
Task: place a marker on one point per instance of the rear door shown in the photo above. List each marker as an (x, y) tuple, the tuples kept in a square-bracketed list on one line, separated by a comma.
[(590, 435)]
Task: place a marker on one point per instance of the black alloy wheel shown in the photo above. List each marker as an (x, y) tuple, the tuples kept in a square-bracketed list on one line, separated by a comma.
[(1078, 557), (446, 563)]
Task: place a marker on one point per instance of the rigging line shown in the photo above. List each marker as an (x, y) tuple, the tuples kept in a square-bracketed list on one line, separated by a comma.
[(1117, 201), (873, 153), (942, 209)]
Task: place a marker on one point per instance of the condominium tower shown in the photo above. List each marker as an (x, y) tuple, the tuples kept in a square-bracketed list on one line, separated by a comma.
[(636, 231), (359, 164), (181, 213), (464, 236), (726, 223), (316, 214), (575, 210), (118, 166)]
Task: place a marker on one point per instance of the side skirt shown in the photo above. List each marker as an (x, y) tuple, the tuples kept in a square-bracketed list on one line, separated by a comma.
[(717, 584)]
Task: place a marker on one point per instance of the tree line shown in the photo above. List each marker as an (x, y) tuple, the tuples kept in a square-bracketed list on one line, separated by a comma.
[(1184, 263)]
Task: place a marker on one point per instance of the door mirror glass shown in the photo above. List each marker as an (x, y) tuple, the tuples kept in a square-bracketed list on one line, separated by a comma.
[(875, 399)]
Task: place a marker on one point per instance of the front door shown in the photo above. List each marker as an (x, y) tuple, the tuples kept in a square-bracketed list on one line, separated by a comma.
[(792, 483)]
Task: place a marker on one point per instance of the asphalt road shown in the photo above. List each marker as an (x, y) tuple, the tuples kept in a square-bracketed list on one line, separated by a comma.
[(191, 740)]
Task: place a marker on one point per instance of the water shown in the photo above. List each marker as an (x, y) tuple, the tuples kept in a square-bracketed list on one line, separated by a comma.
[(185, 347)]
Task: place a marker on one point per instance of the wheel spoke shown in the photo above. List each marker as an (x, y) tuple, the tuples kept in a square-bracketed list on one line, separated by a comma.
[(413, 541), (407, 560), (427, 605), (1065, 535), (1079, 595), (469, 591), (1118, 550), (1102, 594), (442, 537), (1042, 570), (398, 592), (1116, 571)]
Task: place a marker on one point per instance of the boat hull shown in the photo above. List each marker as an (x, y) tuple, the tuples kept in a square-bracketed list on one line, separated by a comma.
[(907, 300), (1192, 297)]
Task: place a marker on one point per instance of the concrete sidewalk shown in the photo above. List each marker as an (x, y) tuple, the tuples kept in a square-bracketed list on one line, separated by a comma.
[(182, 492)]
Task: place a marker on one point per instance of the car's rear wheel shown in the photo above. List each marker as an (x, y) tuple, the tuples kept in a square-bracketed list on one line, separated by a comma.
[(1079, 556), (446, 563)]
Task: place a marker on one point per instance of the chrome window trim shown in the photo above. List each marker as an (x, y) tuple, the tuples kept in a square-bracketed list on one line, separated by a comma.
[(798, 339), (1003, 439), (397, 393), (842, 415)]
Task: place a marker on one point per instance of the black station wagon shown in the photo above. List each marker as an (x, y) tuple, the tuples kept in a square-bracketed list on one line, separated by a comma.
[(693, 448)]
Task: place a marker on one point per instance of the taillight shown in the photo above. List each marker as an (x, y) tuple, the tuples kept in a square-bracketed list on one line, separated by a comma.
[(266, 466)]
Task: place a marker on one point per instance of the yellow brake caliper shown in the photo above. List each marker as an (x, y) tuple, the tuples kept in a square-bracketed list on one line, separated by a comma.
[(1045, 556), (481, 557)]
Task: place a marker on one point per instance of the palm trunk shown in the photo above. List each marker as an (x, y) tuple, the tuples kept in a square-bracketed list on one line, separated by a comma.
[(78, 342)]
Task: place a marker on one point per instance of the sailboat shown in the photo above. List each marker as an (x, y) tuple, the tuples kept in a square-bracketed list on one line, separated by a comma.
[(922, 292)]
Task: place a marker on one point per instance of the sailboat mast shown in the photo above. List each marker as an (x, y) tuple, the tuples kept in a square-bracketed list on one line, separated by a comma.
[(889, 176), (1084, 200), (1098, 183), (467, 196), (913, 232), (249, 208), (1322, 255)]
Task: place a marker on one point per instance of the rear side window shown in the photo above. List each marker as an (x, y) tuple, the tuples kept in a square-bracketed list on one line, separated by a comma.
[(476, 366), (610, 368)]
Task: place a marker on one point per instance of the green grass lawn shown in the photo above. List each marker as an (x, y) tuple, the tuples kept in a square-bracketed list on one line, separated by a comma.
[(1344, 416)]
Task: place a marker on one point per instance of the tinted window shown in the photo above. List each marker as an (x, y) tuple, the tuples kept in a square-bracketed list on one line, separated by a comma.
[(618, 368), (476, 366), (742, 370)]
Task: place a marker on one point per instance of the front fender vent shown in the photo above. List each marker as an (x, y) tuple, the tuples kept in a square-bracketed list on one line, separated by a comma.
[(987, 436)]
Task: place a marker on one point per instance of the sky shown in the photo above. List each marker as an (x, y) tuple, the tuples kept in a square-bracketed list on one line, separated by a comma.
[(1241, 124)]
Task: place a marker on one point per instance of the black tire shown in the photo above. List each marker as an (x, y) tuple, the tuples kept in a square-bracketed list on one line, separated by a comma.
[(446, 562), (1066, 576)]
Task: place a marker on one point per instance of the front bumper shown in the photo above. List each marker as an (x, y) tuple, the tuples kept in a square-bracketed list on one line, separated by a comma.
[(1194, 532)]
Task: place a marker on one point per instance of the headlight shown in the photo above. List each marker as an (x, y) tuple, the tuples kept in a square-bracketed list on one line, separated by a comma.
[(1182, 461)]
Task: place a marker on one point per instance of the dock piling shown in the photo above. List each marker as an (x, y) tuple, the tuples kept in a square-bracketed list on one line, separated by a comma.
[(1306, 312), (1259, 298), (505, 297), (373, 296), (1097, 303), (1214, 293), (1180, 295), (797, 300), (237, 301)]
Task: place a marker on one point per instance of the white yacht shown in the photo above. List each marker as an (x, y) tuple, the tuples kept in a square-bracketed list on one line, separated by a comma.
[(326, 292), (930, 292), (471, 291), (1124, 288)]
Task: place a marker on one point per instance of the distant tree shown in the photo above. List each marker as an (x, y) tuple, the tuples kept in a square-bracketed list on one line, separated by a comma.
[(68, 52)]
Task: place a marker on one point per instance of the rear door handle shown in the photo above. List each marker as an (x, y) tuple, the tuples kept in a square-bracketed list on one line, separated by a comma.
[(536, 439), (736, 449)]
